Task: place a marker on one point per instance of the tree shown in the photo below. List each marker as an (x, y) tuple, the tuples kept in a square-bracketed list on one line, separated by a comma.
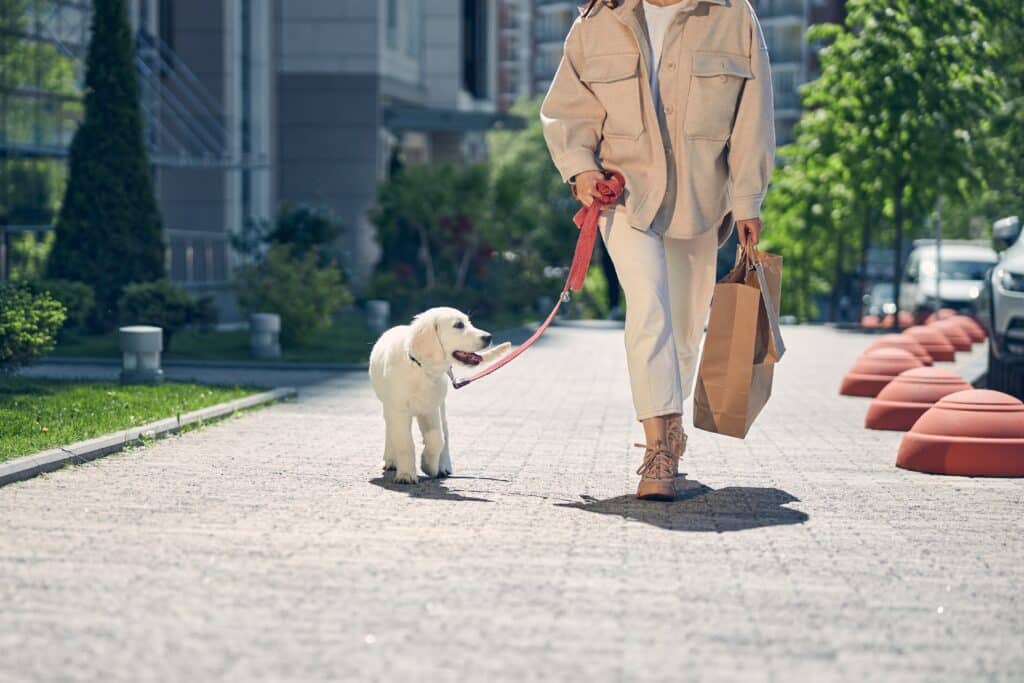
[(109, 232), (906, 88)]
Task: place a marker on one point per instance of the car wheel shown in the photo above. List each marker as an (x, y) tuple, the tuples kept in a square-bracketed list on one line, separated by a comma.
[(1004, 376)]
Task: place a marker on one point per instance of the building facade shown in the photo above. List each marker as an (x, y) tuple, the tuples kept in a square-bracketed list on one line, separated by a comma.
[(785, 24), (514, 51), (249, 104), (794, 60)]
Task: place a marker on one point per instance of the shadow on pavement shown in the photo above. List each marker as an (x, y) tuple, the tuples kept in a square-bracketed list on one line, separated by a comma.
[(431, 489), (701, 508)]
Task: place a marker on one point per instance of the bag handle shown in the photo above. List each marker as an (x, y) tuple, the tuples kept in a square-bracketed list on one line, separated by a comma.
[(754, 263)]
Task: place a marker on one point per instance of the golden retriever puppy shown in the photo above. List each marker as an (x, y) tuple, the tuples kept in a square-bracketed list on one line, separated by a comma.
[(409, 368)]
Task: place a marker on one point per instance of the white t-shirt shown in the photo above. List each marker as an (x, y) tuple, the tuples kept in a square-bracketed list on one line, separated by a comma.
[(658, 20)]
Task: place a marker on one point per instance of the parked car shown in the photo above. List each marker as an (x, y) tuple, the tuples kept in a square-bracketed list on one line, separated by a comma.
[(962, 267), (879, 301), (1001, 310)]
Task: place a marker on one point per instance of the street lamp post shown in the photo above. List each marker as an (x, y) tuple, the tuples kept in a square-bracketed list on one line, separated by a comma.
[(938, 255)]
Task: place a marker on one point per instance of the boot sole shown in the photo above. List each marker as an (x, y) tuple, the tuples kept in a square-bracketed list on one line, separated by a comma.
[(664, 493)]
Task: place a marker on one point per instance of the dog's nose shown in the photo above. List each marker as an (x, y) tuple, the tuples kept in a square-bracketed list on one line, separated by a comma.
[(485, 338)]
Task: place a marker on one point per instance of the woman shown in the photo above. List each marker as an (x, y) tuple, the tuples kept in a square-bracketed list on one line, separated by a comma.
[(675, 95)]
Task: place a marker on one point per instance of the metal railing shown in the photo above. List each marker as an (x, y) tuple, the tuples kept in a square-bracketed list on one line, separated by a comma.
[(184, 125)]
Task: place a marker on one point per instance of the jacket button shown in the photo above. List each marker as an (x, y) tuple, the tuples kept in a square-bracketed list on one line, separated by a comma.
[(723, 78), (670, 66), (669, 110)]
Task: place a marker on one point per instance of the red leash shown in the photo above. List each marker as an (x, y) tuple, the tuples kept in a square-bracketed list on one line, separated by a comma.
[(586, 220)]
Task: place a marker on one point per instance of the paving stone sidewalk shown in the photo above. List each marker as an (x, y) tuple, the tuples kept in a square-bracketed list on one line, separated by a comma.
[(269, 547)]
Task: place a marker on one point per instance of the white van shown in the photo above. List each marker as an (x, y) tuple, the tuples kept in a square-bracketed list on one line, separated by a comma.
[(962, 265)]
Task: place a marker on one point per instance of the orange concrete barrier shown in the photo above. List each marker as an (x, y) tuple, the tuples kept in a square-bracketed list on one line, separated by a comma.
[(902, 341), (875, 369), (974, 433), (907, 397), (933, 341), (972, 327), (954, 333)]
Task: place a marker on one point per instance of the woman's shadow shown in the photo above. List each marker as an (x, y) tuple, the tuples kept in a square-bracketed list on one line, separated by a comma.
[(701, 508)]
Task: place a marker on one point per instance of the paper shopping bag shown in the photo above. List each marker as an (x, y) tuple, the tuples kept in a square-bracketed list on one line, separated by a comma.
[(764, 271), (734, 380)]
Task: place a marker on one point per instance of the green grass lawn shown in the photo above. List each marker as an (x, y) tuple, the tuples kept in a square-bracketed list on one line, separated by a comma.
[(36, 414)]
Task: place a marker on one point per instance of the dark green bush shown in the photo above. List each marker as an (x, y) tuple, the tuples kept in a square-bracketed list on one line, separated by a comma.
[(164, 305), (28, 325), (304, 228), (109, 230), (305, 294), (77, 298)]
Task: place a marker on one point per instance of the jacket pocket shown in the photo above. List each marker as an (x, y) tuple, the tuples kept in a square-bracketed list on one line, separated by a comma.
[(717, 79), (615, 81)]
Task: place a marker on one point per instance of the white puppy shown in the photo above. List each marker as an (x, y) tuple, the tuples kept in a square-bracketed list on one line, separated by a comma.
[(408, 367)]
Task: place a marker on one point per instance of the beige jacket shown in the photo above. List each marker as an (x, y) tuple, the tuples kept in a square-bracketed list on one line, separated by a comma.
[(716, 95)]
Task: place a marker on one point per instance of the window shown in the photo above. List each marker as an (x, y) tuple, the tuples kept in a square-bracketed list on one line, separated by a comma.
[(474, 48)]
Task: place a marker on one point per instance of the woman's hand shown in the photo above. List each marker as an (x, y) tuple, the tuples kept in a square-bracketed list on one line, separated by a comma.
[(586, 186), (749, 231)]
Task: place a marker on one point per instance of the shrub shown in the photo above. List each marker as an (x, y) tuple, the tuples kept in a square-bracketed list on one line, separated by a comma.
[(77, 298), (28, 324), (164, 305), (303, 293), (109, 230), (305, 228)]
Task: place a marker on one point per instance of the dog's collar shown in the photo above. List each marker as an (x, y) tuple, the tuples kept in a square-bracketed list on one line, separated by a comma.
[(449, 371)]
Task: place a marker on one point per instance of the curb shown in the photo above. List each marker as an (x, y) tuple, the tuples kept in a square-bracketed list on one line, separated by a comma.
[(29, 466)]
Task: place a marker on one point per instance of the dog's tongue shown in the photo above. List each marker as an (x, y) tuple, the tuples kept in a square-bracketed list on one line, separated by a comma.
[(467, 357)]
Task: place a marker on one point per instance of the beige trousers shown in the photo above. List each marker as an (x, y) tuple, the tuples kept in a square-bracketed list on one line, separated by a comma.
[(668, 284)]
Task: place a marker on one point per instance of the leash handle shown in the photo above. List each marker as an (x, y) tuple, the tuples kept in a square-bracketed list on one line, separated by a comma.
[(586, 218)]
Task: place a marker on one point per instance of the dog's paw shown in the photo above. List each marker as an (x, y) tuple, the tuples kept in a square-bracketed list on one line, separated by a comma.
[(406, 478), (444, 471), (429, 469), (389, 466)]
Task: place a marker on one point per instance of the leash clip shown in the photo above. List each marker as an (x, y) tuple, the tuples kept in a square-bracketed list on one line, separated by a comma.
[(564, 297)]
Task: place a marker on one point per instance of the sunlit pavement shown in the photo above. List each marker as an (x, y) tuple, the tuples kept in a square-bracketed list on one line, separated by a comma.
[(269, 547)]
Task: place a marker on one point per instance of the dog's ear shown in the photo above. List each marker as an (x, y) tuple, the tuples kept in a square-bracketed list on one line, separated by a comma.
[(424, 344)]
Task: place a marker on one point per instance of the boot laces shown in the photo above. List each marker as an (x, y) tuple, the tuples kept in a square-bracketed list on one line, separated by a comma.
[(657, 462), (677, 435)]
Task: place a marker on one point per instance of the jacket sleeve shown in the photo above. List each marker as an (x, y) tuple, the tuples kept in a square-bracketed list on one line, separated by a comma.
[(571, 114), (752, 144)]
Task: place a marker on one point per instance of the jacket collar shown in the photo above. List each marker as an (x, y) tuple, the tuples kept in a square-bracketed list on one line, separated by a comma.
[(635, 7)]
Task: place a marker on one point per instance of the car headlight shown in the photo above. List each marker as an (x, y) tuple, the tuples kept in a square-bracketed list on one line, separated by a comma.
[(1013, 282)]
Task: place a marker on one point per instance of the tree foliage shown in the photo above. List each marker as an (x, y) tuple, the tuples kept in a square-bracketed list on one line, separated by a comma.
[(28, 325), (489, 237), (899, 117), (109, 233)]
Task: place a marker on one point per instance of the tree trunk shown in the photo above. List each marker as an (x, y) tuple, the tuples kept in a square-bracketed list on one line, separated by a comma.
[(428, 259), (840, 246), (865, 242), (463, 270), (897, 258)]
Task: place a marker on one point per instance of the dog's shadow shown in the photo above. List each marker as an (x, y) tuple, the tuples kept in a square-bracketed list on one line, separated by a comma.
[(701, 508), (431, 489)]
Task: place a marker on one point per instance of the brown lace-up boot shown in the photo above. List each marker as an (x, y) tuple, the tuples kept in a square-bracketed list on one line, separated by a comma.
[(656, 479), (676, 441)]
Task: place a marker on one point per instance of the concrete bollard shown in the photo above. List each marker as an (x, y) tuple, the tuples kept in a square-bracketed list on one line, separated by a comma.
[(265, 335), (378, 315), (140, 348)]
